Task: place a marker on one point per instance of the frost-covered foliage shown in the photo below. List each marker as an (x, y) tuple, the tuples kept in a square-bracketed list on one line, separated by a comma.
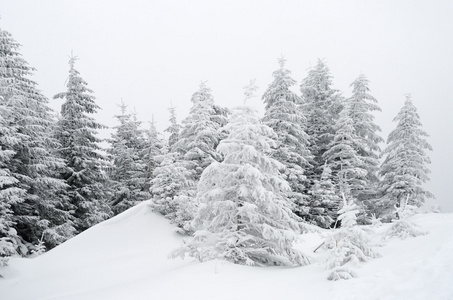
[(404, 170), (10, 194), (401, 227), (361, 107), (174, 128), (342, 157), (173, 189), (129, 173), (200, 132), (284, 115), (325, 201), (39, 249), (347, 246), (153, 146), (85, 164), (243, 216), (321, 107), (32, 202), (174, 184)]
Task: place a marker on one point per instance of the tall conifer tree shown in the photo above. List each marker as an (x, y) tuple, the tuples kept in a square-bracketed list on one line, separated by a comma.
[(322, 105), (405, 168), (361, 107), (200, 135), (129, 172), (243, 216), (35, 207), (173, 129), (154, 146), (342, 157), (85, 171), (284, 115)]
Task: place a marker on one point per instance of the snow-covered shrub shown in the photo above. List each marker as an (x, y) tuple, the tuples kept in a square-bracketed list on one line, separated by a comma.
[(436, 208), (375, 221), (401, 227), (40, 248), (347, 246)]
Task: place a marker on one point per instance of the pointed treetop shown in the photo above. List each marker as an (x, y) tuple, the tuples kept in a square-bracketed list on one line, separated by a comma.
[(249, 90), (122, 106), (408, 97), (72, 60), (282, 61), (203, 84)]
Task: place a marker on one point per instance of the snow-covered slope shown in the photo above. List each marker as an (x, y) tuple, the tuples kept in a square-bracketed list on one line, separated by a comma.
[(126, 258)]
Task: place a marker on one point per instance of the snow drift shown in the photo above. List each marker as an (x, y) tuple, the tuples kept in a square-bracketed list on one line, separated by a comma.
[(127, 258)]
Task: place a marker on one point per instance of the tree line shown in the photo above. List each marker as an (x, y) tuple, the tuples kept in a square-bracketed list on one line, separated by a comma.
[(248, 183)]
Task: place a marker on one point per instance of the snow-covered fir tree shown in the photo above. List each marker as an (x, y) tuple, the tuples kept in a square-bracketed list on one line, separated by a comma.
[(284, 115), (200, 135), (173, 189), (347, 246), (129, 173), (154, 146), (10, 193), (325, 201), (85, 171), (322, 105), (361, 107), (243, 215), (404, 170), (347, 165), (173, 193), (174, 128), (173, 182), (33, 205)]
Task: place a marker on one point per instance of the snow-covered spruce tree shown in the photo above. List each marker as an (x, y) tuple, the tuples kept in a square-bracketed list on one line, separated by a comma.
[(347, 165), (361, 108), (173, 190), (347, 246), (154, 146), (200, 135), (174, 128), (322, 105), (243, 216), (85, 172), (129, 173), (173, 183), (190, 155), (325, 201), (284, 115), (31, 193), (10, 194), (404, 169)]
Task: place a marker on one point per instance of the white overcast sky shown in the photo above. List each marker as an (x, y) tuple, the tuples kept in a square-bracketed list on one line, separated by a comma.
[(152, 52)]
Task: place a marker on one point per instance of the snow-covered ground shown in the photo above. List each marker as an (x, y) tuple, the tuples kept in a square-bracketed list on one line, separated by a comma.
[(126, 258)]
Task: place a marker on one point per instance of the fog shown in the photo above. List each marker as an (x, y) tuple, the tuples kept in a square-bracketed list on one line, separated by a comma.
[(152, 52)]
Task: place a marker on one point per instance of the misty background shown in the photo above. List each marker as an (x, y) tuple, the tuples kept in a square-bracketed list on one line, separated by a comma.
[(153, 53)]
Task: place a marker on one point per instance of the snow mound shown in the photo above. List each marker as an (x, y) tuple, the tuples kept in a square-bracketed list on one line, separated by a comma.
[(127, 258)]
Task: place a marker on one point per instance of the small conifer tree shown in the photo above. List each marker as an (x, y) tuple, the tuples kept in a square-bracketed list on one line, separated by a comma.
[(347, 246)]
